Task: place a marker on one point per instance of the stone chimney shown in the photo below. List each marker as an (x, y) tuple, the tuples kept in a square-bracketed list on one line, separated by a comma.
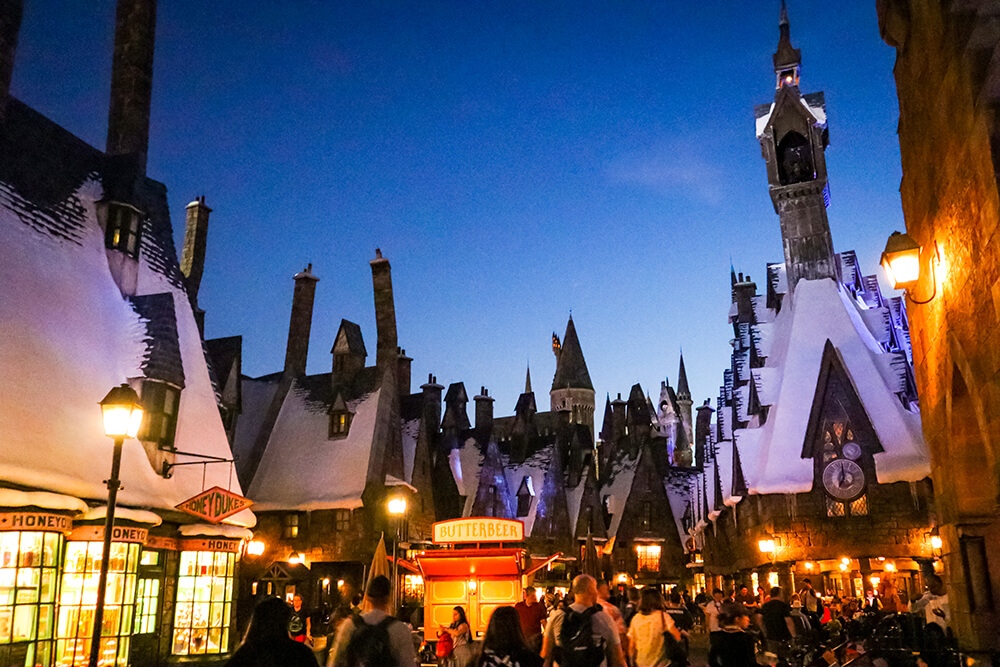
[(484, 413), (432, 402), (403, 365), (744, 291), (385, 312), (10, 25), (195, 243), (300, 324), (132, 80), (702, 431), (618, 418)]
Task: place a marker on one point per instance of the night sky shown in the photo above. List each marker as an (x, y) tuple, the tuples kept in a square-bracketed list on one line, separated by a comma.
[(514, 160)]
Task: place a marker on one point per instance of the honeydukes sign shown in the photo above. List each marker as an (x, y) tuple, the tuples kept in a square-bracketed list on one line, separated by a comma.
[(478, 529), (215, 504)]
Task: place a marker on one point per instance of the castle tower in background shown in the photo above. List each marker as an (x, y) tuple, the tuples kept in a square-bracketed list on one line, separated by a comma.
[(572, 389)]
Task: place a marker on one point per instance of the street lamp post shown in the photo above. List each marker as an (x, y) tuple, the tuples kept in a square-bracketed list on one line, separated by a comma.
[(122, 418), (397, 508)]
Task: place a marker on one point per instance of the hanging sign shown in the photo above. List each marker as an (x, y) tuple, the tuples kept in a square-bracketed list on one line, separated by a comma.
[(478, 529), (215, 504)]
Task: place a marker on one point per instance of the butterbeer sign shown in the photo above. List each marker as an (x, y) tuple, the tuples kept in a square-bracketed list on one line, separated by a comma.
[(215, 504), (478, 529)]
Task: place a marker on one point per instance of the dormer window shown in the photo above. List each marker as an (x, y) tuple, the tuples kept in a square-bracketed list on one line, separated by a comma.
[(524, 495), (160, 401), (122, 229), (788, 77), (340, 418)]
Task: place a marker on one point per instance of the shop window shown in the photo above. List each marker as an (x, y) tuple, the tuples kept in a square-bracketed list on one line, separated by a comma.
[(413, 587), (204, 603), (291, 526), (160, 403), (341, 520), (123, 229), (78, 596), (648, 557), (29, 563)]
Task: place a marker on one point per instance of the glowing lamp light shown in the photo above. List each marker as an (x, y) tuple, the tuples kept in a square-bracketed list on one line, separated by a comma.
[(845, 561), (295, 559), (766, 546), (397, 506), (122, 412), (472, 584), (809, 565), (875, 580), (890, 567), (772, 579), (340, 583), (622, 578), (255, 548), (936, 542), (843, 567), (901, 260)]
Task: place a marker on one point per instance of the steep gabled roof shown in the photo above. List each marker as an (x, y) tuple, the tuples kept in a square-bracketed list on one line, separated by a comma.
[(571, 367), (162, 360), (349, 340)]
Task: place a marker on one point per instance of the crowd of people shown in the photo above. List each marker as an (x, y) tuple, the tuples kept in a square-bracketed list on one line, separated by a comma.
[(588, 627)]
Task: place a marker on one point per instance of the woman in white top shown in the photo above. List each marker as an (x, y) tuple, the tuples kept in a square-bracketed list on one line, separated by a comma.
[(645, 633)]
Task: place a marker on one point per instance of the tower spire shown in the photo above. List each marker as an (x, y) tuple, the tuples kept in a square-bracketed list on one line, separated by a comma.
[(683, 392), (527, 381), (787, 59)]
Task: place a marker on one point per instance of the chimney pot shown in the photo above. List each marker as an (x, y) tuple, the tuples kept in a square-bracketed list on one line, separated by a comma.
[(385, 312), (195, 245)]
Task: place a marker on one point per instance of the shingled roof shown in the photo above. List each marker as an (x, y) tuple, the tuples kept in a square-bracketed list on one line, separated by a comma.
[(571, 368), (162, 360)]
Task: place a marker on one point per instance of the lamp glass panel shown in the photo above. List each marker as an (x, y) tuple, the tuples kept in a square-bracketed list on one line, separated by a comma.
[(117, 420), (902, 268)]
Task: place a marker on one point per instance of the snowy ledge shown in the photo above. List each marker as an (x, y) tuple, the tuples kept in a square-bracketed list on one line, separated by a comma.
[(211, 530), (139, 516), (42, 499)]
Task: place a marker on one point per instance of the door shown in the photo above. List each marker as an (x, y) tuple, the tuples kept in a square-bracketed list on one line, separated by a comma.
[(148, 602)]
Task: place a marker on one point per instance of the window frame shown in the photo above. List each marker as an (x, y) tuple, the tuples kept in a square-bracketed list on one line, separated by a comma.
[(123, 229)]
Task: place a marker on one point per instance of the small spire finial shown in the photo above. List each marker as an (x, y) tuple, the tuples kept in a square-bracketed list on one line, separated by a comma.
[(783, 20), (527, 381)]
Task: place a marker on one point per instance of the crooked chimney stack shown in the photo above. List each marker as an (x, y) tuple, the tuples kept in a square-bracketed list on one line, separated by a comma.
[(132, 80), (386, 353), (484, 412), (300, 324), (195, 243), (10, 25)]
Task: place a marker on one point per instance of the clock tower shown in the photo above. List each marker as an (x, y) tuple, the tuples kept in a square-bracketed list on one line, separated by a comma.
[(793, 138)]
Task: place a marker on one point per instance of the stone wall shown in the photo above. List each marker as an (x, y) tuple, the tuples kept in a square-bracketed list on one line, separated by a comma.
[(947, 90)]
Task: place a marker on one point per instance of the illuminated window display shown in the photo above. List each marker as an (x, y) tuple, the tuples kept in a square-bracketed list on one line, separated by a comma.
[(29, 568), (147, 603), (204, 602), (78, 598), (648, 557)]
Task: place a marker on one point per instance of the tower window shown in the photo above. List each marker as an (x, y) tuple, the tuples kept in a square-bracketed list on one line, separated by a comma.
[(795, 163), (341, 520), (646, 515), (122, 229), (160, 402), (491, 501)]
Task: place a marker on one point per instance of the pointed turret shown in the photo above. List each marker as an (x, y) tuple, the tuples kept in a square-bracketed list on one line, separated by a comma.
[(787, 59), (683, 392), (527, 381), (571, 386)]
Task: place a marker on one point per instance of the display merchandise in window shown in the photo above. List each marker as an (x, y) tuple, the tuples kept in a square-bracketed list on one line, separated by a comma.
[(78, 599), (29, 571), (204, 603)]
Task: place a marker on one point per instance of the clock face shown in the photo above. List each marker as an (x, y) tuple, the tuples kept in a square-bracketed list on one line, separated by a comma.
[(844, 479), (852, 450)]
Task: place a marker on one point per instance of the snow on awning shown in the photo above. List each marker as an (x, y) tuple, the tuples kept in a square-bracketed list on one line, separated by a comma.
[(41, 499), (215, 530), (124, 513), (393, 481)]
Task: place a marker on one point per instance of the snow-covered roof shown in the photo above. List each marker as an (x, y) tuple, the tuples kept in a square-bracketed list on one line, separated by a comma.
[(814, 103), (820, 311), (302, 468), (618, 489), (69, 336)]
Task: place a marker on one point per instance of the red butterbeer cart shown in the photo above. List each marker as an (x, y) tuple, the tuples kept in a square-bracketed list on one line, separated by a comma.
[(473, 577)]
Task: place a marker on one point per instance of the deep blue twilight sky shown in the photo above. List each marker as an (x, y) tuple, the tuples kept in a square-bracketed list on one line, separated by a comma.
[(514, 160)]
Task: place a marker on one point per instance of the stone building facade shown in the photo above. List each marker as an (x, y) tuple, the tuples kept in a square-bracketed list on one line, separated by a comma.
[(947, 84)]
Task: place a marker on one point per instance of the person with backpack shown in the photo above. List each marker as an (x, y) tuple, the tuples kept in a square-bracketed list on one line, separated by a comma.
[(460, 635), (582, 635), (504, 644), (374, 638)]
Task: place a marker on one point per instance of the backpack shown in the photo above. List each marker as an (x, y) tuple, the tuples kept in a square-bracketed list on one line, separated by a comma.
[(370, 645), (578, 647), (445, 645)]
